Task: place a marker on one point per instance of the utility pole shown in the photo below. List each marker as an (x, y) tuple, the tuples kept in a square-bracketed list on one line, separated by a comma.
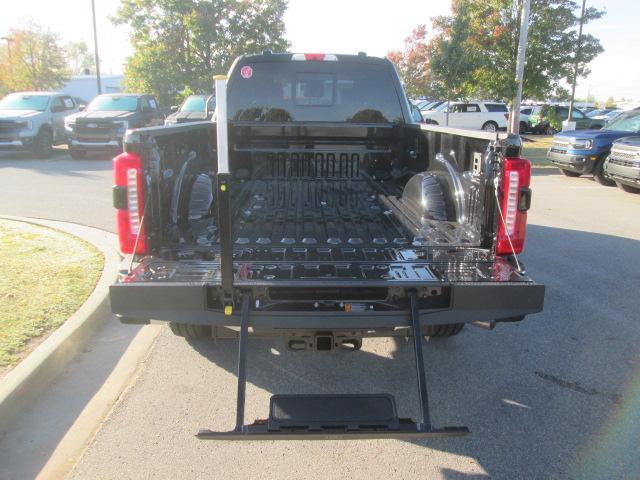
[(575, 62), (95, 43), (9, 40), (514, 120)]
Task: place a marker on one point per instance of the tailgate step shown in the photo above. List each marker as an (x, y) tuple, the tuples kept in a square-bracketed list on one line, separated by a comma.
[(317, 412), (325, 417)]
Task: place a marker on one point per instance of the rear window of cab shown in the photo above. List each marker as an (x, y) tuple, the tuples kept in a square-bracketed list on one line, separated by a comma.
[(318, 91)]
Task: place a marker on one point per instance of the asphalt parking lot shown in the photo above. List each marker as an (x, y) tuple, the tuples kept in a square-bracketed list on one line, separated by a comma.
[(555, 396)]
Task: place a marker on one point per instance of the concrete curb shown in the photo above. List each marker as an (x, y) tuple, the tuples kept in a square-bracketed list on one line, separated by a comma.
[(31, 377)]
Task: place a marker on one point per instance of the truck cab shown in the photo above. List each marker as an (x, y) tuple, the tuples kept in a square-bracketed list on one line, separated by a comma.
[(34, 121), (195, 108), (101, 126)]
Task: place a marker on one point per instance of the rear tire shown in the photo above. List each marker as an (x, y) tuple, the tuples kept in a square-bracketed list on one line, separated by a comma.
[(442, 331), (550, 130), (524, 126), (187, 330), (599, 176), (43, 143), (78, 154), (628, 188), (569, 173), (490, 127)]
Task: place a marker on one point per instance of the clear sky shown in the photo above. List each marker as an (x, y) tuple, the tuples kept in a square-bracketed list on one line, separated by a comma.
[(346, 26)]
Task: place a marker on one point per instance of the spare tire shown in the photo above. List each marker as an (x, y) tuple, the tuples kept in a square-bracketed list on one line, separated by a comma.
[(441, 331), (187, 330)]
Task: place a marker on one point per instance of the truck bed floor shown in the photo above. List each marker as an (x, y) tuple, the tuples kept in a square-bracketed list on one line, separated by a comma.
[(316, 212)]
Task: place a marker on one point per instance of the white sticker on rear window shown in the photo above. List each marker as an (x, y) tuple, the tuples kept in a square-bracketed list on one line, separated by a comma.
[(246, 71)]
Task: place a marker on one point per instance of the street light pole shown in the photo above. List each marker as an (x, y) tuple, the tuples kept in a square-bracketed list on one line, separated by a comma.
[(514, 120), (95, 43), (575, 62)]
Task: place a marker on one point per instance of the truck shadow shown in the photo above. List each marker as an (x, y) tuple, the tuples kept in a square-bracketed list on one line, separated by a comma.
[(546, 397), (60, 164)]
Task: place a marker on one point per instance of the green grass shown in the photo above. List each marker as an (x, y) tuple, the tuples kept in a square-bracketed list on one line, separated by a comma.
[(45, 275), (535, 149)]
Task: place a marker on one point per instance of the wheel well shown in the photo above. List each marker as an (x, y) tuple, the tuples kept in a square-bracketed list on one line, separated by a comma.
[(44, 128), (488, 122)]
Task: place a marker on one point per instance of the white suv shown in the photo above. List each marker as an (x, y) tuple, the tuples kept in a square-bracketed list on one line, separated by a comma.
[(488, 116)]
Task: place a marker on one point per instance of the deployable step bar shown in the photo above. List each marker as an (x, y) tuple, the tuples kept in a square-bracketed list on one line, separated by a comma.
[(327, 417)]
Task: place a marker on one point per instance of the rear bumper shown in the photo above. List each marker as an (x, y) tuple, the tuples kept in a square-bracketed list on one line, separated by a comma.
[(95, 146), (440, 303), (16, 145), (580, 163)]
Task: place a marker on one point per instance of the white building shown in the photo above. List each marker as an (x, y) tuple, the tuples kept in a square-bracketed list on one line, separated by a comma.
[(86, 86)]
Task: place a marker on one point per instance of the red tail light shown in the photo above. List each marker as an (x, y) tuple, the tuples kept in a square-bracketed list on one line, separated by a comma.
[(128, 199), (515, 201)]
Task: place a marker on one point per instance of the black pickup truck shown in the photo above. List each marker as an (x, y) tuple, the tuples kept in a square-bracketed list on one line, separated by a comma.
[(317, 210), (101, 126)]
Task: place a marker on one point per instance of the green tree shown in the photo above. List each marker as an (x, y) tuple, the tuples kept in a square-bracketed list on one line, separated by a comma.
[(79, 57), (412, 63), (452, 58), (488, 32), (32, 59), (610, 103), (181, 44)]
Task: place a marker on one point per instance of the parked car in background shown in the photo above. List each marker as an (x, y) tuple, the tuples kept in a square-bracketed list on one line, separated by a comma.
[(609, 116), (597, 112), (102, 125), (623, 164), (488, 116), (195, 108), (431, 105), (547, 119), (524, 118), (34, 121), (81, 103), (584, 152)]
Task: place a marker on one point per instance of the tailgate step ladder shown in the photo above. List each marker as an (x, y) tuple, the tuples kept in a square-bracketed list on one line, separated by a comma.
[(326, 417)]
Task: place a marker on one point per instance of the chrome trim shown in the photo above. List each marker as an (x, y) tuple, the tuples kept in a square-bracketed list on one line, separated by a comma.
[(457, 188), (110, 143), (12, 143)]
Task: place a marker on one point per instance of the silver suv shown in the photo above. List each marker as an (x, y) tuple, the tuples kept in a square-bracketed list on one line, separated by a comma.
[(34, 121)]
